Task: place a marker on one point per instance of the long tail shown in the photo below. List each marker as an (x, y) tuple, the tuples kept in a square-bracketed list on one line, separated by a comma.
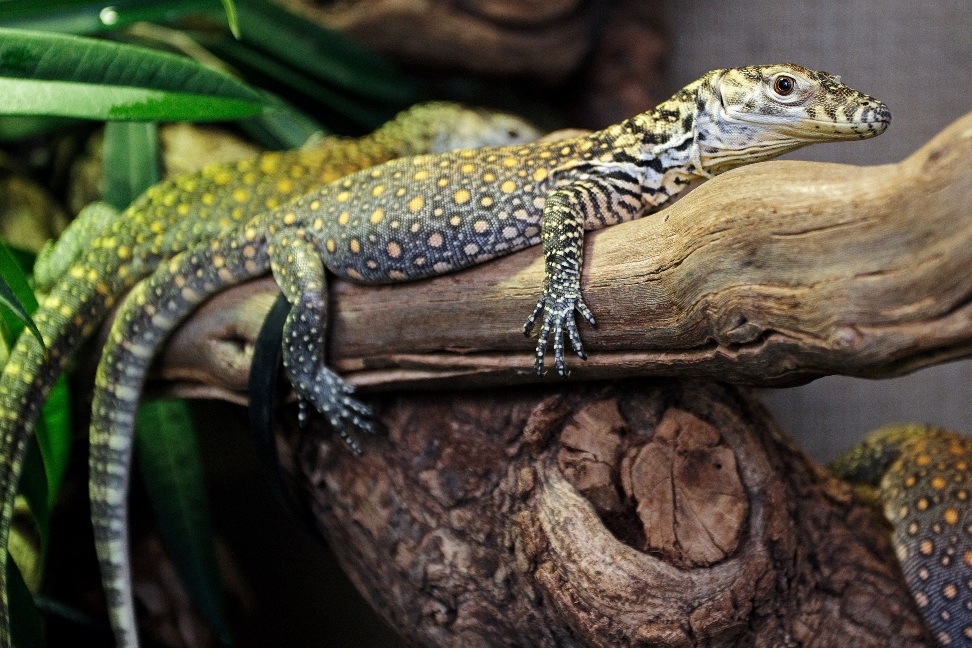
[(146, 318), (921, 475), (66, 317)]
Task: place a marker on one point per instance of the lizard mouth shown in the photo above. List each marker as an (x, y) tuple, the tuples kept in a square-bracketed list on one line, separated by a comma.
[(865, 121)]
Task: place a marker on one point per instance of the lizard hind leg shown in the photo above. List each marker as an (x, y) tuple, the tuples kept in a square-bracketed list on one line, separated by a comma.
[(300, 273)]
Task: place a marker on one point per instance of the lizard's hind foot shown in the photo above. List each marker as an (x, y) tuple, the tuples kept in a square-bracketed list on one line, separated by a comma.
[(330, 395)]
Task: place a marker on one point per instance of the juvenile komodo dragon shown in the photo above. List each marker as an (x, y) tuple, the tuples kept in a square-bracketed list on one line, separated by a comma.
[(431, 214), (100, 257), (921, 478)]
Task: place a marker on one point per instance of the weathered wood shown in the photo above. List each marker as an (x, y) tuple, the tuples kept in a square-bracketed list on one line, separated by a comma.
[(771, 274), (520, 517)]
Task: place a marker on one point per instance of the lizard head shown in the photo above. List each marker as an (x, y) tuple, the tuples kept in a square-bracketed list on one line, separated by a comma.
[(437, 127), (762, 111)]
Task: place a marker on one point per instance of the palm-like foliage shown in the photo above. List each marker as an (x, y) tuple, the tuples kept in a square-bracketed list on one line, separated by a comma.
[(54, 73)]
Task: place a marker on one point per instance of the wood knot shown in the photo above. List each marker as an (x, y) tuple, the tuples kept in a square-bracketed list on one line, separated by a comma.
[(738, 329), (677, 493), (687, 491), (589, 454)]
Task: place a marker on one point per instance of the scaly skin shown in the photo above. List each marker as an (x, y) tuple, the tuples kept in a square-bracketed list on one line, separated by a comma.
[(922, 479), (431, 214), (101, 258), (178, 213)]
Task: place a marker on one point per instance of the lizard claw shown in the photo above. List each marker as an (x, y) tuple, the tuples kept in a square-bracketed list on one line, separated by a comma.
[(528, 326), (333, 397), (558, 314)]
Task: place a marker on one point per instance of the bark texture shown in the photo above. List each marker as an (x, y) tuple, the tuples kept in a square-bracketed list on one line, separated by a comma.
[(634, 514), (772, 274)]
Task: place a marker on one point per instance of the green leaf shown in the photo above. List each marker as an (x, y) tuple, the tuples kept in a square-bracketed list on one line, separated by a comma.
[(53, 437), (232, 18), (267, 67), (322, 54), (16, 295), (131, 154), (25, 623), (289, 128), (165, 440), (18, 128), (71, 76), (80, 17)]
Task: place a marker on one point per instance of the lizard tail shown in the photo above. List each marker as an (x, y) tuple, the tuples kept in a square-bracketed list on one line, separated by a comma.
[(144, 321), (65, 318), (922, 476)]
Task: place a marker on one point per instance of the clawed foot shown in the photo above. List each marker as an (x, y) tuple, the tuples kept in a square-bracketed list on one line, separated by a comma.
[(558, 314), (333, 398)]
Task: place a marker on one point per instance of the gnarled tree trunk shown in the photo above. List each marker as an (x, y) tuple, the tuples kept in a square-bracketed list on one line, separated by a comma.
[(639, 513)]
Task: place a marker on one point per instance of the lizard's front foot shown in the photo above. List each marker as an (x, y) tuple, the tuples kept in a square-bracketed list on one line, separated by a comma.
[(558, 313)]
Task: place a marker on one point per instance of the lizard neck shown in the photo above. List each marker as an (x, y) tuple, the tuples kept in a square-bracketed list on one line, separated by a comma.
[(661, 146)]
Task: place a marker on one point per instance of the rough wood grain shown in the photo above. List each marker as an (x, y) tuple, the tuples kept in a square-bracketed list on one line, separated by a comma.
[(508, 517), (772, 274)]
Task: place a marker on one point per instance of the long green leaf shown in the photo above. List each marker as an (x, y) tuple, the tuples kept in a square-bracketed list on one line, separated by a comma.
[(71, 76), (53, 437), (44, 471), (165, 440), (288, 129), (323, 54), (16, 308), (269, 68), (232, 18), (25, 622), (131, 161), (18, 128), (86, 17), (16, 295)]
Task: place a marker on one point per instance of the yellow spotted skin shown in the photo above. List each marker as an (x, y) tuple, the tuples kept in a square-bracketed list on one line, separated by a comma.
[(922, 478), (430, 214), (105, 255), (178, 213)]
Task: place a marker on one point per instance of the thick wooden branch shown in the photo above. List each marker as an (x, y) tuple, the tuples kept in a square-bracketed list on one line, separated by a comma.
[(668, 514), (772, 274)]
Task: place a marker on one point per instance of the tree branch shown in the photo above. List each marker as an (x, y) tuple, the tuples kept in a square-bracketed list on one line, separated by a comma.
[(772, 274)]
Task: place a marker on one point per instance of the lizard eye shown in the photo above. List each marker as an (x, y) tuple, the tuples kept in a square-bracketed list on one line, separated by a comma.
[(784, 85)]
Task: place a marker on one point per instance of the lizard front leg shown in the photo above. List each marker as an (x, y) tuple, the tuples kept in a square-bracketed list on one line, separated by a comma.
[(300, 273), (562, 235)]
